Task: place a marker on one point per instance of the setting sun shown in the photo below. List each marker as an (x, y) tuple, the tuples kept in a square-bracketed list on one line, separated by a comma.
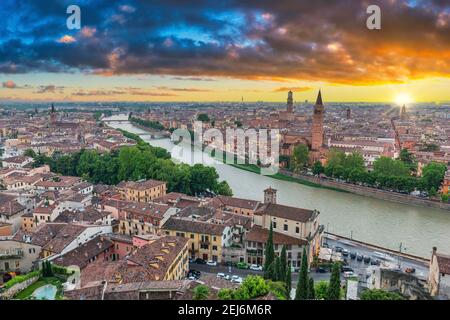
[(403, 98)]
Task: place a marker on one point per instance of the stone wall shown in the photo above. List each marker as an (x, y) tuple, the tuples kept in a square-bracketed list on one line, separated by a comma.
[(11, 292), (371, 192)]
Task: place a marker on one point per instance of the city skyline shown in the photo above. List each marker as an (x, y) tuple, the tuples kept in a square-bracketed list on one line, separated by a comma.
[(255, 51)]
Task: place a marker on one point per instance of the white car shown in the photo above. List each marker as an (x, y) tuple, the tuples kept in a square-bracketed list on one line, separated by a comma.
[(221, 275), (211, 263), (255, 267), (349, 274), (236, 279)]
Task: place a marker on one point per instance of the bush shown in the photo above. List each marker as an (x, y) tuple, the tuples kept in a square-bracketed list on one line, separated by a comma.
[(21, 278), (278, 289), (377, 294), (252, 287), (201, 292)]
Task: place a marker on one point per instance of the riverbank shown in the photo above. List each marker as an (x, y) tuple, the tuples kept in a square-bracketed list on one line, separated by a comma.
[(316, 182), (371, 192)]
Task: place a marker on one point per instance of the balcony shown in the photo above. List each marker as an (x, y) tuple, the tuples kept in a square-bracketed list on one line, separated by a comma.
[(11, 255)]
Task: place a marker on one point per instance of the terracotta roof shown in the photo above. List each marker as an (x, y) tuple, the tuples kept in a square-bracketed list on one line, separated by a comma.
[(88, 214), (261, 235), (239, 203), (81, 255), (143, 265), (9, 206), (443, 263), (139, 210), (41, 236), (285, 212), (185, 225), (64, 237), (140, 185)]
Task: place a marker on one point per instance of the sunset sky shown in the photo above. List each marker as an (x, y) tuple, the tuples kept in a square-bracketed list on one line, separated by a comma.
[(177, 50)]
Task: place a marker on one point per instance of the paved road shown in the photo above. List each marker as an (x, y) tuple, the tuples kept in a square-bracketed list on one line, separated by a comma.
[(388, 260), (362, 269)]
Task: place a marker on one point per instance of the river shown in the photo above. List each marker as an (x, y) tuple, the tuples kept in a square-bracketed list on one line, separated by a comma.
[(379, 222)]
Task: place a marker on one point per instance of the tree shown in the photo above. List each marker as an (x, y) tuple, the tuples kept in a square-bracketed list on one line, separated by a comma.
[(203, 117), (302, 285), (29, 153), (378, 294), (300, 158), (269, 256), (201, 292), (445, 198), (321, 290), (251, 287), (311, 290), (432, 176), (283, 264), (389, 167), (224, 189), (318, 168), (334, 289), (277, 276), (288, 281)]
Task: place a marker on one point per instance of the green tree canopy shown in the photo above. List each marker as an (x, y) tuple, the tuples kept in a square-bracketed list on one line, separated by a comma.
[(300, 157), (302, 284), (201, 292), (378, 294)]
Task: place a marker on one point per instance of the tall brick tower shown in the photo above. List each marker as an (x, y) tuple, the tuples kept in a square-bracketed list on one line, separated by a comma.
[(290, 103), (317, 125)]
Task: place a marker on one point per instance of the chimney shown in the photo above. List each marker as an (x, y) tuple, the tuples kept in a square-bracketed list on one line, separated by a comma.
[(270, 196), (434, 251)]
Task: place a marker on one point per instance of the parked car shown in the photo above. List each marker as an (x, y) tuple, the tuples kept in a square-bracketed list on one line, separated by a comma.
[(256, 267), (366, 259), (191, 260), (242, 265), (321, 270), (345, 253), (211, 263), (410, 270), (200, 261), (348, 274), (346, 269), (338, 249), (352, 255), (325, 245), (359, 257), (236, 279), (375, 262), (194, 273), (221, 275), (227, 277)]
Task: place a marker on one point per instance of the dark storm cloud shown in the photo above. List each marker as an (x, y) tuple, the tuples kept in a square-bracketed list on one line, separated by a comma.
[(255, 39)]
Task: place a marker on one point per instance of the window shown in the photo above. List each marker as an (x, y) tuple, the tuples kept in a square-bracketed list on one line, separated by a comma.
[(285, 227), (214, 248), (274, 225), (297, 230), (192, 236)]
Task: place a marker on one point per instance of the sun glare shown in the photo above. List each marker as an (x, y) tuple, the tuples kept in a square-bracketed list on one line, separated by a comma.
[(403, 98)]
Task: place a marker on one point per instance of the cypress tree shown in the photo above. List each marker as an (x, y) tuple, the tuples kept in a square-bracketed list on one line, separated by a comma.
[(288, 281), (334, 289), (302, 285), (44, 269), (311, 290), (283, 264), (269, 255), (277, 274)]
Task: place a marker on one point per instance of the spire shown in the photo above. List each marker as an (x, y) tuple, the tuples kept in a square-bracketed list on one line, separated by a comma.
[(53, 108), (319, 98)]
